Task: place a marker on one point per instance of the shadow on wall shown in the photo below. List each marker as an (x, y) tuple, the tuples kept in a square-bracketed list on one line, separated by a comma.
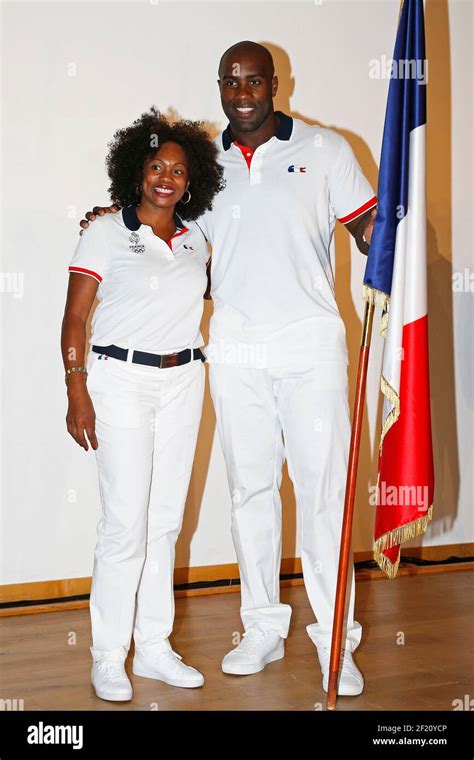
[(439, 306)]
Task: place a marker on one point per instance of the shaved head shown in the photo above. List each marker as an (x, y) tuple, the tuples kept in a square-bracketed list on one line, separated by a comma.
[(247, 85), (248, 49)]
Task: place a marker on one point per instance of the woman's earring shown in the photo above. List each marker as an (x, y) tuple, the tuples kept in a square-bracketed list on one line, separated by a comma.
[(189, 198)]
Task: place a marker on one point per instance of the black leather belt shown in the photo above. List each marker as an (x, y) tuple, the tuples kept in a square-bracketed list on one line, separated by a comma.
[(151, 360)]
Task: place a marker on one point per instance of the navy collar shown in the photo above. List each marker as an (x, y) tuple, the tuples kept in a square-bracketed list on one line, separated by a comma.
[(284, 130), (132, 222)]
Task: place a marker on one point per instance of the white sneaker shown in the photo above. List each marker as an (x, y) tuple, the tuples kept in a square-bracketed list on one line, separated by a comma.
[(108, 675), (351, 680), (161, 663), (258, 647)]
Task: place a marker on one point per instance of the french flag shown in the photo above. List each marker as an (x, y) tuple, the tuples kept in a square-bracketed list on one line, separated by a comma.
[(395, 279)]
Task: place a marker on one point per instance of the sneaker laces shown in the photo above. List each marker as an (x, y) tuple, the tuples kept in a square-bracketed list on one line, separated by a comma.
[(112, 670), (345, 660), (252, 638), (174, 659)]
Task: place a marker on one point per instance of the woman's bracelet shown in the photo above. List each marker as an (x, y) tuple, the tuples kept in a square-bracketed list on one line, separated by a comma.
[(74, 369)]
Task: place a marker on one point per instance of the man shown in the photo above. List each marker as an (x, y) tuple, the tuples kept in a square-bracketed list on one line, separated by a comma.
[(277, 352)]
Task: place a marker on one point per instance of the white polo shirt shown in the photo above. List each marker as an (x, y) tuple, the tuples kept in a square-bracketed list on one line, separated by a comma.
[(271, 230), (150, 291)]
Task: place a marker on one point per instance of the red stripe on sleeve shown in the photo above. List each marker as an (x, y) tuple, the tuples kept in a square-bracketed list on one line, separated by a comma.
[(80, 270), (359, 211)]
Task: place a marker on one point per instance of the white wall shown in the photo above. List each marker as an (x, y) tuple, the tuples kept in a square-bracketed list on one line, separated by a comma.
[(73, 74)]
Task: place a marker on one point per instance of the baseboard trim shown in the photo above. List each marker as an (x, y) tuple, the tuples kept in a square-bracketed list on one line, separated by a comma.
[(73, 593)]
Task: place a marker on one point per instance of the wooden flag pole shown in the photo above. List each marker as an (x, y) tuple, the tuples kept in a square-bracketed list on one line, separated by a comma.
[(346, 533)]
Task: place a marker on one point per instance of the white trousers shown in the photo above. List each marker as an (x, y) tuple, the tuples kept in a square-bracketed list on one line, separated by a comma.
[(147, 421), (264, 416)]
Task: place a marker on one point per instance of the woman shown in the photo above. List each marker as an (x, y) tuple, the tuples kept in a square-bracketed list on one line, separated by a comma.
[(139, 400)]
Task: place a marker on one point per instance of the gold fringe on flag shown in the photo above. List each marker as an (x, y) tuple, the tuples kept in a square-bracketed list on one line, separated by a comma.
[(380, 299), (395, 538), (415, 528), (391, 394), (384, 320), (374, 296)]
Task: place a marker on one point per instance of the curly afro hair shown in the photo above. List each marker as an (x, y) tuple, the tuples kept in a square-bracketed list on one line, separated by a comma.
[(131, 147)]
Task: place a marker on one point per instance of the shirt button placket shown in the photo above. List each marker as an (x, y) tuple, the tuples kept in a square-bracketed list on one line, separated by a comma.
[(256, 168)]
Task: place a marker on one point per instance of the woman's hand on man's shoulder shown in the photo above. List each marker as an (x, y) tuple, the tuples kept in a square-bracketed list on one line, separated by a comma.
[(97, 211)]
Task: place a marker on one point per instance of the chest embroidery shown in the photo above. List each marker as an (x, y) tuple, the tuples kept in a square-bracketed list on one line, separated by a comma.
[(134, 243)]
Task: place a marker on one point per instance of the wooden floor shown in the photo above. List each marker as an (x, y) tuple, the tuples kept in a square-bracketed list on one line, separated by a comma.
[(434, 614)]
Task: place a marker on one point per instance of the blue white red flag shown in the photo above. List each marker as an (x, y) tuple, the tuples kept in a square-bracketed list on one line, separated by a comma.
[(395, 278)]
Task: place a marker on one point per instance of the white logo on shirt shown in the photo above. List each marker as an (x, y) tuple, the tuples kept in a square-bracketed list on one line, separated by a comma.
[(134, 240)]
